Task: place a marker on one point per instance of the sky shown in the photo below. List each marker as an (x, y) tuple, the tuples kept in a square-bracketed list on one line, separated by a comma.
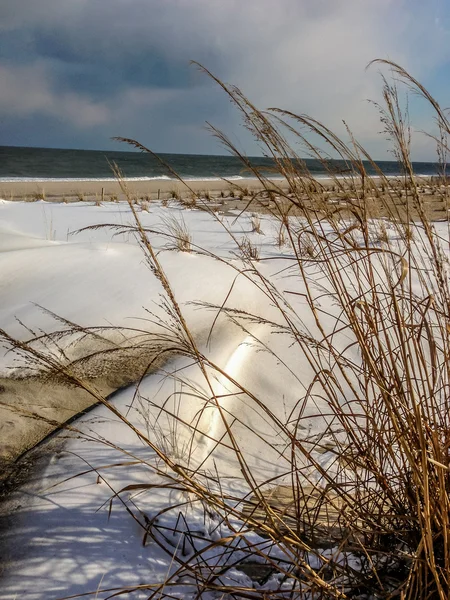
[(75, 73)]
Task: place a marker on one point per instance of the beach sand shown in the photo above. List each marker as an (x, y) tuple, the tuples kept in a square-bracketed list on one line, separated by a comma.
[(234, 195), (32, 408), (150, 189)]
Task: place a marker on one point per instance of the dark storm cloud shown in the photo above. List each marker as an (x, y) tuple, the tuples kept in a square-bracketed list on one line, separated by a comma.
[(104, 60), (78, 71), (104, 40)]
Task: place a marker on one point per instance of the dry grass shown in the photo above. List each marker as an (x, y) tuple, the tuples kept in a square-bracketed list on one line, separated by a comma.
[(281, 239), (385, 502), (177, 232), (390, 408), (255, 221), (36, 196), (248, 251), (145, 205), (307, 245)]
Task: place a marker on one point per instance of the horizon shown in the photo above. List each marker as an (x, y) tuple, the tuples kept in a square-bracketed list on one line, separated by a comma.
[(130, 151)]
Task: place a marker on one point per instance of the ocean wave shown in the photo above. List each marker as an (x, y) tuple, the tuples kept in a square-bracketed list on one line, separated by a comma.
[(226, 178), (78, 179), (208, 178), (131, 179), (192, 179)]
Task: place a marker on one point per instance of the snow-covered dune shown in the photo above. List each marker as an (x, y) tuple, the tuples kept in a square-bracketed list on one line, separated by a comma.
[(60, 540), (46, 285)]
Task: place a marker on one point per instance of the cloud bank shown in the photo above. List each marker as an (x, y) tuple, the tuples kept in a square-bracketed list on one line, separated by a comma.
[(74, 74)]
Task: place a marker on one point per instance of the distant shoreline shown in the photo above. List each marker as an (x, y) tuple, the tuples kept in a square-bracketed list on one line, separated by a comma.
[(70, 190)]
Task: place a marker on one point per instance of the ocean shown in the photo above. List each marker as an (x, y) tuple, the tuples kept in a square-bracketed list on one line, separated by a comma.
[(47, 164)]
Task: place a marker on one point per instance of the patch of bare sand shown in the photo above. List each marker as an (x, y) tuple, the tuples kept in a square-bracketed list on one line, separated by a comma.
[(73, 191), (33, 407)]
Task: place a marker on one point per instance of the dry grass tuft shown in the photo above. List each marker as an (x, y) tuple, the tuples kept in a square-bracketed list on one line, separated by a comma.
[(255, 221), (36, 196), (247, 250), (178, 233), (145, 205), (382, 234), (281, 239)]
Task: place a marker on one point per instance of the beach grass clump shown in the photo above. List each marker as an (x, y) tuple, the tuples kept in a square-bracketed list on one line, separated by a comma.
[(307, 245), (145, 205), (255, 222), (383, 236), (361, 507), (372, 522), (191, 200), (40, 195), (248, 251), (177, 232)]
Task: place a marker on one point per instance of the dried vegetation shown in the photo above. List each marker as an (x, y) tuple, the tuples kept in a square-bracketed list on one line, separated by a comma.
[(374, 523)]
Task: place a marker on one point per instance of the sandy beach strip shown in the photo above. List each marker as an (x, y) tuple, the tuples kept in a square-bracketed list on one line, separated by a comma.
[(233, 194), (74, 190)]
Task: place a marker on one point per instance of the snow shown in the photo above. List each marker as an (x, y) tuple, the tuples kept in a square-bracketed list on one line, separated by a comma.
[(77, 276), (63, 541)]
